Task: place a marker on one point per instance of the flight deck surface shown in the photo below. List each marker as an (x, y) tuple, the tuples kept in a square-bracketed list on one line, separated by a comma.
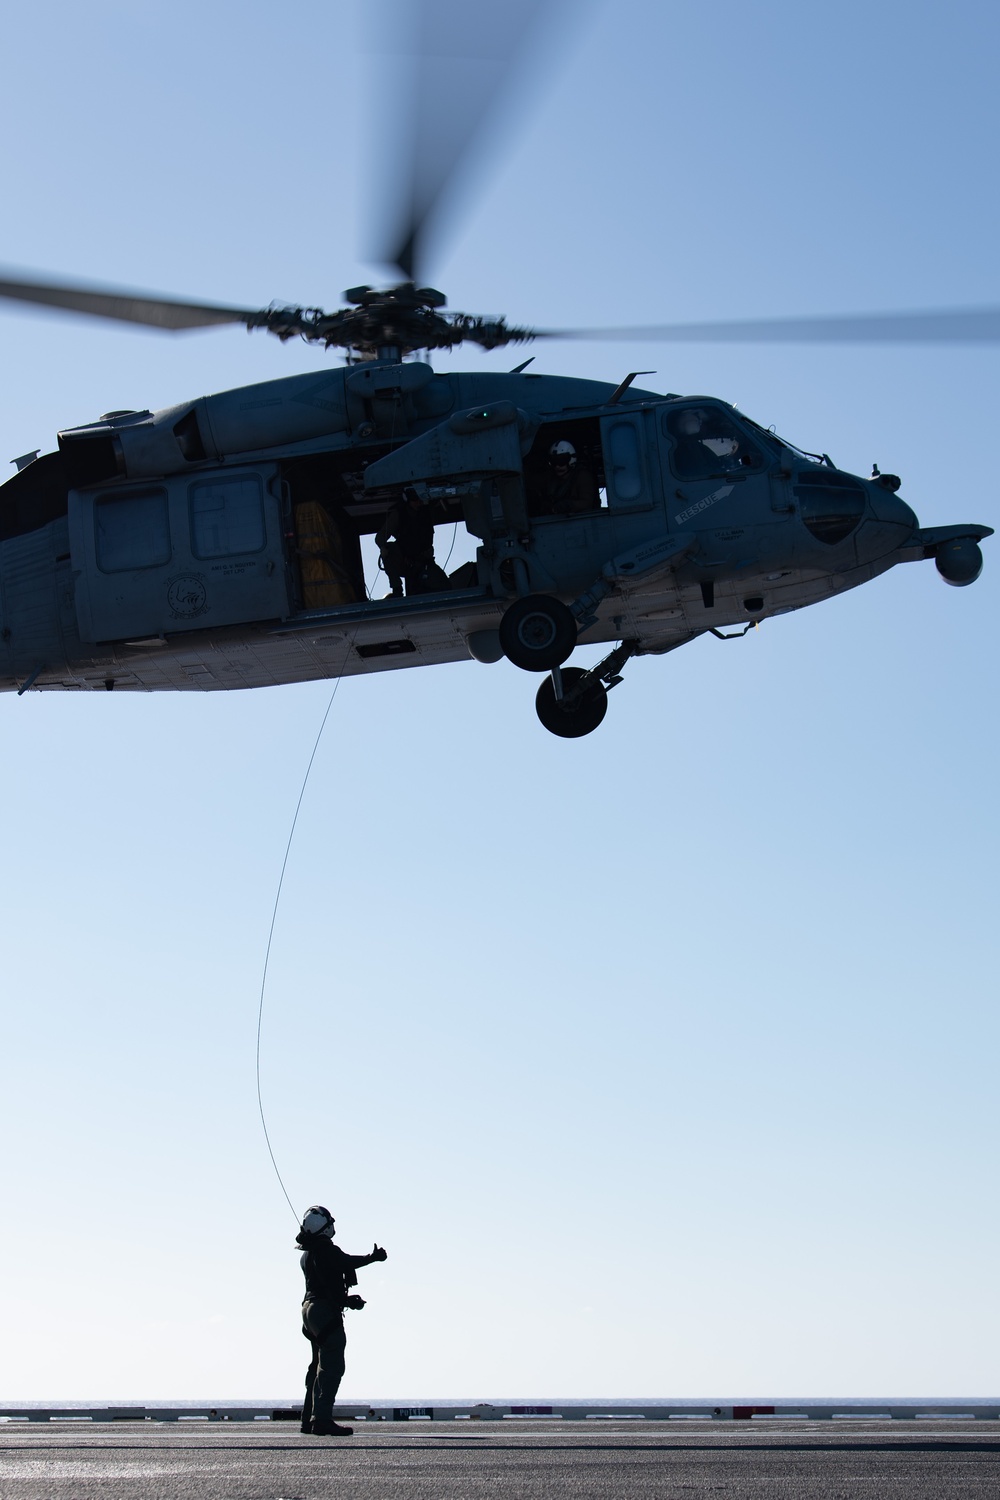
[(927, 1460)]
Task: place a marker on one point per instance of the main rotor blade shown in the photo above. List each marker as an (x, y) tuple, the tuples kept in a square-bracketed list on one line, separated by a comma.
[(460, 60), (963, 325), (122, 306)]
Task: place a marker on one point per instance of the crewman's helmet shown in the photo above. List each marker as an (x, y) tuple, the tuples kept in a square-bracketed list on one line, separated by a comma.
[(317, 1220), (562, 455)]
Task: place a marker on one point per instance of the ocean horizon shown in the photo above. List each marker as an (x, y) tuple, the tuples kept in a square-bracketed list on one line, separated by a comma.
[(151, 1404)]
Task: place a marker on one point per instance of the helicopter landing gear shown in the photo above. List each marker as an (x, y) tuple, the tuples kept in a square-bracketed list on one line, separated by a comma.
[(572, 703), (538, 633), (577, 710)]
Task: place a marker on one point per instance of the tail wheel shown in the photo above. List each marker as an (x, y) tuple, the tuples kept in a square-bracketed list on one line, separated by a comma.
[(538, 633), (580, 717)]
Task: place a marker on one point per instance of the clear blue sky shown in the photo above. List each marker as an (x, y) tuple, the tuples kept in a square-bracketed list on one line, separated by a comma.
[(663, 1062)]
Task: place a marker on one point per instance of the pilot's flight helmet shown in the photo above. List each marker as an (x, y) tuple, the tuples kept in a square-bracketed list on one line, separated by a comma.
[(690, 422), (562, 455), (317, 1220)]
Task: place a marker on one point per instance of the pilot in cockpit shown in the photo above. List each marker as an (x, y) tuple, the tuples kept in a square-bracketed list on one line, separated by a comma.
[(706, 443)]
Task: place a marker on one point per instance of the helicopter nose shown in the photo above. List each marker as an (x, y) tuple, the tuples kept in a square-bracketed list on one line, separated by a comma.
[(890, 510), (888, 525)]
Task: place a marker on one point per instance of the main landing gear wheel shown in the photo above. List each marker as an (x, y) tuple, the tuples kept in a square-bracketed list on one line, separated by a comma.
[(577, 718), (538, 633)]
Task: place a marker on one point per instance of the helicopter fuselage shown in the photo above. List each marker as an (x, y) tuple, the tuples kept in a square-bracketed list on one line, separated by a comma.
[(217, 544)]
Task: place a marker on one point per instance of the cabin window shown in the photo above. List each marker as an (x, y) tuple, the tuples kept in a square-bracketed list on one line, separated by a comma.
[(707, 442), (227, 517), (625, 467), (132, 531)]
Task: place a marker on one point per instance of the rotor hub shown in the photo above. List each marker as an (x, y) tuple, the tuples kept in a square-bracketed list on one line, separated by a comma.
[(388, 324)]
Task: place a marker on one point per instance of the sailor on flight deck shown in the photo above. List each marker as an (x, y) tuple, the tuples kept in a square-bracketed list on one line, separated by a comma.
[(330, 1274)]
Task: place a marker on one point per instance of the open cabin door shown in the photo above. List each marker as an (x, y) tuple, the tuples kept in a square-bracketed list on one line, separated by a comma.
[(183, 553)]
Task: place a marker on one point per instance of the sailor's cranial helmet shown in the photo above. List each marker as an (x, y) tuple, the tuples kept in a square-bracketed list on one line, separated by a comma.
[(562, 455), (317, 1220)]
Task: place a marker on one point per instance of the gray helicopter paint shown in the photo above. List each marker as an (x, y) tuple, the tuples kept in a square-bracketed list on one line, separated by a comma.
[(297, 414), (330, 645), (37, 630), (188, 621), (257, 418), (489, 444), (307, 650), (186, 582)]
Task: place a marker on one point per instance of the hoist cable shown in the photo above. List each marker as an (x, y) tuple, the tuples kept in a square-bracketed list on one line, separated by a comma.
[(454, 537), (270, 936)]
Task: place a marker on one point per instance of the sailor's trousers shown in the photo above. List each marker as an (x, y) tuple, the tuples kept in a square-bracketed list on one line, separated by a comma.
[(323, 1325)]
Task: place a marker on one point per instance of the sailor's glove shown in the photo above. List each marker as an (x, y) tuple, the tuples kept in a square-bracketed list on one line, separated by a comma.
[(355, 1302), (378, 1253)]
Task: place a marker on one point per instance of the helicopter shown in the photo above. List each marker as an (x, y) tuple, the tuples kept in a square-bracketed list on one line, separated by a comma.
[(217, 543)]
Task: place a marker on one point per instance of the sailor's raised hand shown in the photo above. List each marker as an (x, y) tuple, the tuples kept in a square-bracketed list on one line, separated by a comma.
[(378, 1253)]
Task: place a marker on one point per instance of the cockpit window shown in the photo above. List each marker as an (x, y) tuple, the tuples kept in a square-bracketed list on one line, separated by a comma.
[(706, 442)]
